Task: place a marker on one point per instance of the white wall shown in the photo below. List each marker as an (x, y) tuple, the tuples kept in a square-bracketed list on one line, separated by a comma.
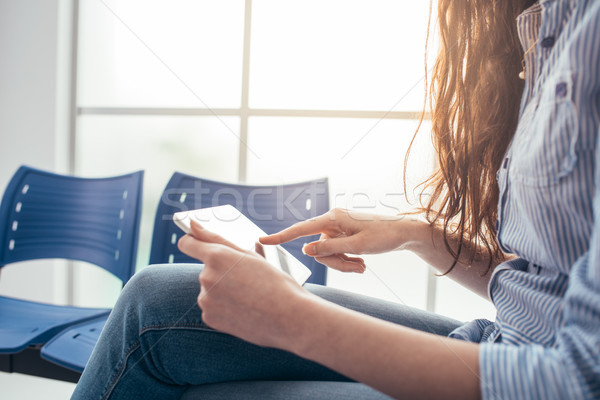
[(34, 43), (33, 119)]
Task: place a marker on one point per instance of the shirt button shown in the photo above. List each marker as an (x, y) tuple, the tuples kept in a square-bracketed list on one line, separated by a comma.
[(561, 89), (548, 42)]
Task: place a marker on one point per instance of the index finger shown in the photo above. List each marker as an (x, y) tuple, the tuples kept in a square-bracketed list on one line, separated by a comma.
[(300, 229)]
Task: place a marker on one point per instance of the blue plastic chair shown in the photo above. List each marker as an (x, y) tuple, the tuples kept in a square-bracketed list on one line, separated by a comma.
[(272, 208), (73, 347), (45, 215)]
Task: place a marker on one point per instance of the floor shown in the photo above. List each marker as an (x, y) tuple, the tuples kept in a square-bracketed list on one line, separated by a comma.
[(24, 387)]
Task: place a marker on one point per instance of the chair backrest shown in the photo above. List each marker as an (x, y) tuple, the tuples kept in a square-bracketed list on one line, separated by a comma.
[(272, 208), (46, 215)]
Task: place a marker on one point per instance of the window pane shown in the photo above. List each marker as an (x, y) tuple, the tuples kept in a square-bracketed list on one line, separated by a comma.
[(338, 54), (200, 146), (123, 45), (364, 160), (455, 301), (400, 277)]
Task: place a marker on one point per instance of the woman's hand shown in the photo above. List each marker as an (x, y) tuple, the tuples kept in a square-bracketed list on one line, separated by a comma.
[(240, 293), (345, 232)]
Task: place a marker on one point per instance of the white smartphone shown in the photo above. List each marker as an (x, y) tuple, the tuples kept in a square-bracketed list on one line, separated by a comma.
[(234, 226)]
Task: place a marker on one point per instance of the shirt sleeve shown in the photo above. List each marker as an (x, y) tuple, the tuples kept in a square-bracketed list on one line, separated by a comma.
[(571, 369)]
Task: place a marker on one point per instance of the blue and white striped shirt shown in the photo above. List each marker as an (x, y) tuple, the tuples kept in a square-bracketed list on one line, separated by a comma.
[(545, 342)]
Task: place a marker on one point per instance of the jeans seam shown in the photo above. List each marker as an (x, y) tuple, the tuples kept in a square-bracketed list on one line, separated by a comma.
[(114, 382), (137, 345)]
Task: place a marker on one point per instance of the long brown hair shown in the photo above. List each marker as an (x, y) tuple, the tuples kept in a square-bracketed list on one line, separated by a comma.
[(474, 98)]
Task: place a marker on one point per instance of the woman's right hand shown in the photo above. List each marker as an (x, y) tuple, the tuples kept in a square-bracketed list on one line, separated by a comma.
[(345, 232)]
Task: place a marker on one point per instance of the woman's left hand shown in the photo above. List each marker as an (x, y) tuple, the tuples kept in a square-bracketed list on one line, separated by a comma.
[(240, 293)]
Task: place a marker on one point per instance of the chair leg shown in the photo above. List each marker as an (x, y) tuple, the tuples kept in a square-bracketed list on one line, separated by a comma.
[(29, 362)]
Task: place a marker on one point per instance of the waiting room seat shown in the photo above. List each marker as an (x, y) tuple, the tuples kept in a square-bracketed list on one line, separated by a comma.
[(48, 216)]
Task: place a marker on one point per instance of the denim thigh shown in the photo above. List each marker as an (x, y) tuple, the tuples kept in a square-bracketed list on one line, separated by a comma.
[(155, 344)]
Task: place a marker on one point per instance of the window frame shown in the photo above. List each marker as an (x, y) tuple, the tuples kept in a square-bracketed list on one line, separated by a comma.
[(244, 113)]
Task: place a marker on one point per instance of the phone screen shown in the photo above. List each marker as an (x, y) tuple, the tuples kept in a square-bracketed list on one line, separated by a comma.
[(234, 226)]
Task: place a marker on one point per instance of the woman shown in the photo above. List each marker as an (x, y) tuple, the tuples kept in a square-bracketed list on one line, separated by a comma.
[(514, 215)]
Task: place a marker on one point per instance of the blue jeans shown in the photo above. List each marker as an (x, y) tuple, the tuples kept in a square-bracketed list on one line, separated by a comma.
[(155, 346)]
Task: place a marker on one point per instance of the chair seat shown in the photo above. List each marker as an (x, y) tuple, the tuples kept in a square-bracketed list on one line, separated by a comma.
[(288, 390), (73, 347), (26, 323)]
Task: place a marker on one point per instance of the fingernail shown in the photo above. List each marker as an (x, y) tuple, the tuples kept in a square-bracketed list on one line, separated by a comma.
[(308, 249), (196, 224)]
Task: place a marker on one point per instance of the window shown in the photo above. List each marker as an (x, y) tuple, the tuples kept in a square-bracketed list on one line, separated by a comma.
[(264, 91)]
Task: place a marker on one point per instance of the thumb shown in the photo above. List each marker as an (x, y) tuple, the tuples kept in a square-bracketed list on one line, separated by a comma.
[(197, 249), (328, 246)]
